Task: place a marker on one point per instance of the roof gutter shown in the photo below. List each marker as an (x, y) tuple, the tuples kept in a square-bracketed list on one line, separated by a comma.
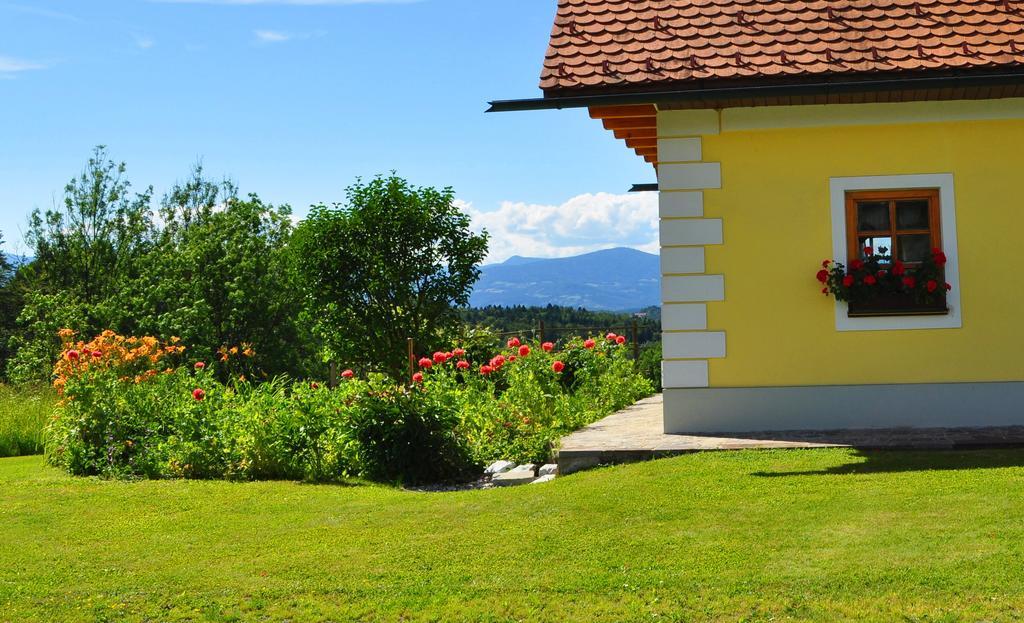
[(747, 92)]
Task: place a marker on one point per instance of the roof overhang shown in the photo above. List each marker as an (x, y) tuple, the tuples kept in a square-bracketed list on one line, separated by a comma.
[(840, 89)]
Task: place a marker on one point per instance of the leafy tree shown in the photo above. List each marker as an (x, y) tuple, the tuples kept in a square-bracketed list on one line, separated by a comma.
[(10, 306), (85, 249), (93, 242), (218, 277), (35, 344), (395, 261)]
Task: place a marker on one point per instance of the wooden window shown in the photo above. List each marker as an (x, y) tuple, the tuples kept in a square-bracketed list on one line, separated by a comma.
[(903, 224)]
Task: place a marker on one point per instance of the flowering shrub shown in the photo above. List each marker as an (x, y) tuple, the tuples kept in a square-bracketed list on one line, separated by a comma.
[(878, 275), (524, 399), (136, 407)]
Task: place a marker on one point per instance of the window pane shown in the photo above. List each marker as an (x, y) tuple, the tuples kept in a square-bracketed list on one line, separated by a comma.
[(873, 216), (879, 245), (914, 248), (912, 214)]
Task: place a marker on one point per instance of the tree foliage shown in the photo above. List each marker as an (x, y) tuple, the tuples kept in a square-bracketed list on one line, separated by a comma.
[(93, 240), (395, 261), (220, 278), (219, 270)]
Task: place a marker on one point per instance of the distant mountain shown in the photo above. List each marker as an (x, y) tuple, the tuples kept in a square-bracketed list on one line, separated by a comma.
[(616, 279)]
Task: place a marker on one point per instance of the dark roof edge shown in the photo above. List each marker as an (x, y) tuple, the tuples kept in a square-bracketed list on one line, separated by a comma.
[(644, 188), (764, 90)]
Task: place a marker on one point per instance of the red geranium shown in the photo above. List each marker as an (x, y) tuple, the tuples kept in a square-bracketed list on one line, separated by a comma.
[(558, 366), (514, 342), (426, 364), (932, 285), (314, 385), (868, 251), (439, 357), (485, 370), (73, 355), (511, 358), (417, 378), (96, 354), (620, 340), (870, 280), (948, 287), (462, 365), (848, 281), (348, 374), (822, 275), (856, 265), (458, 352), (524, 350), (589, 344), (909, 281), (939, 257), (825, 263), (610, 337), (198, 395), (548, 347), (898, 268), (200, 365), (498, 361)]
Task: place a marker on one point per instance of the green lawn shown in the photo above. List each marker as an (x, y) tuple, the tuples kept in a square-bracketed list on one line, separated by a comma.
[(23, 413), (814, 535)]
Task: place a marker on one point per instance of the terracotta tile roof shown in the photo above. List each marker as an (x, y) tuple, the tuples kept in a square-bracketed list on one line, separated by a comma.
[(597, 44)]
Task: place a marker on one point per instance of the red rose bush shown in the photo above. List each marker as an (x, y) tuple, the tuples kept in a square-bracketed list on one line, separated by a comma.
[(878, 274)]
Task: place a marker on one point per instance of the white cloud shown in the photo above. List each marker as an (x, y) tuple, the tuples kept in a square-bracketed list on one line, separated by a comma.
[(10, 66), (144, 42), (271, 36), (277, 36), (40, 12), (582, 224)]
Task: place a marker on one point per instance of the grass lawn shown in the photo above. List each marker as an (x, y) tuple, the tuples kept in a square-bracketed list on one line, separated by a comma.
[(23, 413), (813, 535)]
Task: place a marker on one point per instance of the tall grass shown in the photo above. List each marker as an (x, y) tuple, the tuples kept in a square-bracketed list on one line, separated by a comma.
[(23, 413)]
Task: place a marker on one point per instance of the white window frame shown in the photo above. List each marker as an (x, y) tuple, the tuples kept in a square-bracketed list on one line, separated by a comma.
[(943, 182)]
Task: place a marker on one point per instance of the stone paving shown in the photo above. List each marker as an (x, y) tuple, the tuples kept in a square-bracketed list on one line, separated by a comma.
[(635, 434)]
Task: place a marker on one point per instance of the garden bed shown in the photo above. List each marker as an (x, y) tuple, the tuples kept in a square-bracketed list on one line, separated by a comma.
[(136, 407)]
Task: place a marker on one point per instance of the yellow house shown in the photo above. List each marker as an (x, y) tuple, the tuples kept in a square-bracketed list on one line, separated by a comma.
[(885, 135)]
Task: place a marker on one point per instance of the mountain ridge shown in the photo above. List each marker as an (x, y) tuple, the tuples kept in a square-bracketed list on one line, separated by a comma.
[(618, 279)]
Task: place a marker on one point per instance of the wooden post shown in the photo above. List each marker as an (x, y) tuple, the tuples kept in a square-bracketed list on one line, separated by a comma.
[(636, 341), (412, 357), (540, 334), (332, 375)]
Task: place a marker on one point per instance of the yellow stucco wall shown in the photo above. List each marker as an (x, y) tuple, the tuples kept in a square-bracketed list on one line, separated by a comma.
[(775, 207)]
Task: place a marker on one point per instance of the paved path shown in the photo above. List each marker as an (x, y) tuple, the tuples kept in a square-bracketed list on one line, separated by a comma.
[(635, 434)]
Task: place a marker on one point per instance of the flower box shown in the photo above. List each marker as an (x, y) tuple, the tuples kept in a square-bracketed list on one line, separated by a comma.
[(879, 285), (896, 304)]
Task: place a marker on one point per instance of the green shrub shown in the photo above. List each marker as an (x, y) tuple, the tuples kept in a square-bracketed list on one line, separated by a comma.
[(520, 410), (127, 411), (408, 435), (649, 364), (24, 411)]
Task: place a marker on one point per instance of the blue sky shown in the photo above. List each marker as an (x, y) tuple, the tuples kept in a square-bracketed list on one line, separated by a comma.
[(293, 99)]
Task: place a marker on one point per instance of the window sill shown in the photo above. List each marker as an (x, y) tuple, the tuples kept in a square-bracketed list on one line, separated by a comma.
[(877, 313)]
